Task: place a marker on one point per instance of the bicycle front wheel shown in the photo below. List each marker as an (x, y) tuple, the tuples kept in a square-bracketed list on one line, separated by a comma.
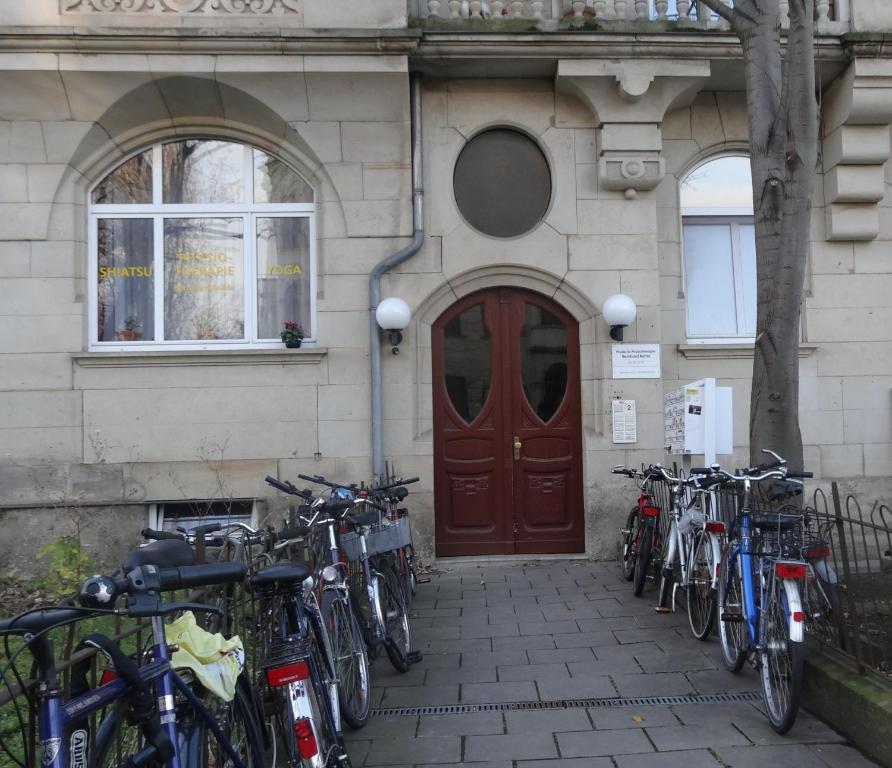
[(627, 554), (351, 658), (642, 560), (238, 720), (732, 620), (700, 594), (782, 661)]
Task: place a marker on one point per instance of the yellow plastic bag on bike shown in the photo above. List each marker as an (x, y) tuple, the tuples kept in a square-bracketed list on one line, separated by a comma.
[(214, 660)]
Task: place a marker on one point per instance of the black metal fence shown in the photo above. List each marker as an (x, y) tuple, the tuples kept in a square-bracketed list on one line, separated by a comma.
[(856, 617)]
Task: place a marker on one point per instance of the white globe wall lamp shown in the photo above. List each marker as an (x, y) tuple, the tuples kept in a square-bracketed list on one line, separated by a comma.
[(393, 316), (618, 311)]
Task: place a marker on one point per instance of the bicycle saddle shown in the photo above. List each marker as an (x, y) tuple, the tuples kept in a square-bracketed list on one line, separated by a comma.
[(281, 573), (167, 553), (400, 493)]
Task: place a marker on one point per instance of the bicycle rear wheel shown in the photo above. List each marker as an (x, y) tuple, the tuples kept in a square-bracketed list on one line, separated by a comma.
[(398, 636), (732, 621), (642, 561), (351, 658), (782, 661), (627, 553), (701, 597)]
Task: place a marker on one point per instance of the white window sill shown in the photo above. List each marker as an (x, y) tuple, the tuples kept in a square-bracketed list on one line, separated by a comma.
[(213, 357), (731, 351)]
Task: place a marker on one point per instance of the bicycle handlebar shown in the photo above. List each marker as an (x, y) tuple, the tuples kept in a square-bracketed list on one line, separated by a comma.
[(155, 535), (320, 480), (286, 487), (394, 484)]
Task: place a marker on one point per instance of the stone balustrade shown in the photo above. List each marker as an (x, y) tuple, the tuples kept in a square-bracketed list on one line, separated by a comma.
[(580, 11)]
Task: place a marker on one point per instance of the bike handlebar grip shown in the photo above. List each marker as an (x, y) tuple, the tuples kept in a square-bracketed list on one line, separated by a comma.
[(701, 470), (410, 480), (151, 533), (791, 473), (276, 483), (201, 575), (200, 530)]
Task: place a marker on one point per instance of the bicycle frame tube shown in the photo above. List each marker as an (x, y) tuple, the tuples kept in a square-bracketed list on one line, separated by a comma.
[(750, 609)]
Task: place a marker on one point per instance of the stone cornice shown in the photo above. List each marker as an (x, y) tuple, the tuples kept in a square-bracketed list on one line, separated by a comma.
[(303, 356), (417, 43), (184, 40), (604, 45), (731, 351)]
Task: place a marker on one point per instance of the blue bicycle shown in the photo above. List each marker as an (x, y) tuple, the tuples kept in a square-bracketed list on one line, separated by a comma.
[(167, 719), (762, 618)]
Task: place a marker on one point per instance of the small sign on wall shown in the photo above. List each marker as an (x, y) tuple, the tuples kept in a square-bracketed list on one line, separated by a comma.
[(636, 361), (625, 422)]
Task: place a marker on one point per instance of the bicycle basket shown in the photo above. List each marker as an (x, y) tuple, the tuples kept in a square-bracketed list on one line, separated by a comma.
[(384, 537)]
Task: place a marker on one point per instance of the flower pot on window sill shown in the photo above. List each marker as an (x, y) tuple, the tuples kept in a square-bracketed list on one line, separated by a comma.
[(293, 344), (128, 335)]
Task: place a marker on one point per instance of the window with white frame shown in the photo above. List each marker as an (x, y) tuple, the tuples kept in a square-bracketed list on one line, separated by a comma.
[(719, 251), (200, 243)]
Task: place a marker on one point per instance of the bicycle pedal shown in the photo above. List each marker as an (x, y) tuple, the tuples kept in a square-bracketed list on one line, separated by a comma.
[(413, 657), (732, 617)]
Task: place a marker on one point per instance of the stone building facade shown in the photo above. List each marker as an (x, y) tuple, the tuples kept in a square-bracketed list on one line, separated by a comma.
[(287, 125)]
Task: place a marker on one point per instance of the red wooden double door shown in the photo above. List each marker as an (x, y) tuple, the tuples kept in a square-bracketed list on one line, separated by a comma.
[(507, 426)]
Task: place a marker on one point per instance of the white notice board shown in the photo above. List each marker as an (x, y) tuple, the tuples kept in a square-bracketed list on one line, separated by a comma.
[(636, 361), (625, 421)]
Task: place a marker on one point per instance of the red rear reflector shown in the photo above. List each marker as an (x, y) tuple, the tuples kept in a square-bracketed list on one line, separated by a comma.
[(650, 511), (817, 553), (798, 615), (298, 670), (306, 740), (108, 675), (790, 570), (714, 526)]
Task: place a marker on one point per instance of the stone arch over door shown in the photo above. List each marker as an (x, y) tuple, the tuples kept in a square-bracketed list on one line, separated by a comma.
[(568, 301)]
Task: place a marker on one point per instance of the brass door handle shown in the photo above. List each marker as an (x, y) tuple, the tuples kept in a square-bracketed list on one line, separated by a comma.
[(517, 446)]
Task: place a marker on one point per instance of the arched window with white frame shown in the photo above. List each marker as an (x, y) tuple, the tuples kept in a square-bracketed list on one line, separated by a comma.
[(719, 249), (200, 244)]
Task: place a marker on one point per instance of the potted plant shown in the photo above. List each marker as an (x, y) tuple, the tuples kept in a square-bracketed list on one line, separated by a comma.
[(130, 331), (292, 334)]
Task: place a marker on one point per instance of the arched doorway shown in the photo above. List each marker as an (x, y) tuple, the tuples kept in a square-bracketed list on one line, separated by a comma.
[(507, 426)]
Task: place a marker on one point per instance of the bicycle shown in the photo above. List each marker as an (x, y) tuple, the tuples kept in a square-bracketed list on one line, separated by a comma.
[(369, 547), (694, 549), (175, 725), (642, 533), (335, 602), (296, 669), (391, 496), (762, 617)]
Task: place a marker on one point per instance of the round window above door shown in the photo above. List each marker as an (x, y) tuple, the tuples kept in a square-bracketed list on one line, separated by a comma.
[(502, 183)]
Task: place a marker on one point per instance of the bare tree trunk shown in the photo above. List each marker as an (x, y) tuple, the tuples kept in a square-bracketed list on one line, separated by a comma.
[(783, 124)]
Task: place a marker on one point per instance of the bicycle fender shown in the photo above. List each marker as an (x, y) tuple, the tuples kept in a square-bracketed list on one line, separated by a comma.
[(794, 607), (716, 558)]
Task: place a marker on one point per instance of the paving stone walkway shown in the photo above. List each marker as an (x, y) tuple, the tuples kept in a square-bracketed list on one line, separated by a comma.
[(570, 629)]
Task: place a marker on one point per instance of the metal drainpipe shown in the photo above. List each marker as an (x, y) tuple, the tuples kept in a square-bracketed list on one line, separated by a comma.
[(388, 263)]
